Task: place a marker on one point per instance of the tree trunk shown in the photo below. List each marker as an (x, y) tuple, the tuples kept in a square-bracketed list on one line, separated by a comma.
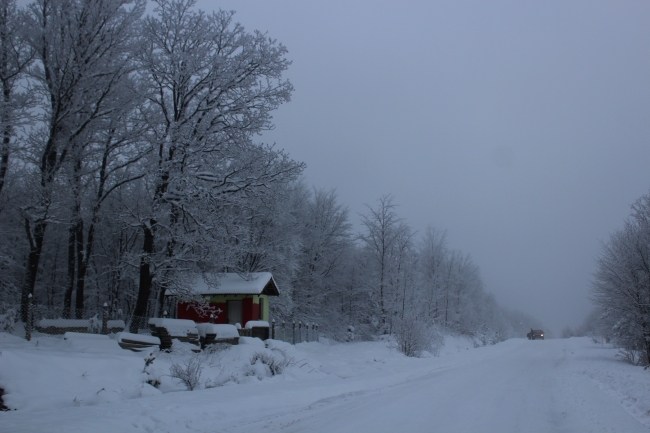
[(146, 278), (35, 248), (81, 262), (4, 156), (67, 296)]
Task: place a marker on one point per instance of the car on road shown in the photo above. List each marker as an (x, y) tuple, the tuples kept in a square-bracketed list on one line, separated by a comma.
[(535, 334)]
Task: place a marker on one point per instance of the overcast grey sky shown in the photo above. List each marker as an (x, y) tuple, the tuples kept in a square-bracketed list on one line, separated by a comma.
[(522, 128)]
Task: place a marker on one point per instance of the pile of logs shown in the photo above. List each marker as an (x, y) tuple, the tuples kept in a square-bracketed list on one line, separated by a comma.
[(160, 330)]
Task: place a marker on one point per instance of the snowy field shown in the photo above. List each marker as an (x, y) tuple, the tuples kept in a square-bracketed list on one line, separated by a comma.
[(91, 385)]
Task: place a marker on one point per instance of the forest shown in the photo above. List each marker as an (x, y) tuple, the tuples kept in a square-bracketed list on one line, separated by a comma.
[(131, 160)]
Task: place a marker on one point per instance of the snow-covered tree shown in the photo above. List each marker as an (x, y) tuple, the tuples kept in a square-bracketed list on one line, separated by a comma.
[(384, 230), (326, 240), (622, 282), (81, 50), (15, 57), (210, 87)]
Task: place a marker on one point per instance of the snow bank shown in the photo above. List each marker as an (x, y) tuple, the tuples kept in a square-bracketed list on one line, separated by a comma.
[(52, 373)]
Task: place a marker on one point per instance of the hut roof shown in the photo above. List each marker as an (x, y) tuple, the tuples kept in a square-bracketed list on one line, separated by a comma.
[(230, 283)]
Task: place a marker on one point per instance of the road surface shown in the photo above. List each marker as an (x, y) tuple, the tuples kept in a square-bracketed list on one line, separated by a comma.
[(527, 386)]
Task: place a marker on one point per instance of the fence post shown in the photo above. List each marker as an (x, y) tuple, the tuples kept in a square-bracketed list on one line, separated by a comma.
[(307, 333), (105, 319), (273, 329), (30, 317), (294, 333), (284, 332)]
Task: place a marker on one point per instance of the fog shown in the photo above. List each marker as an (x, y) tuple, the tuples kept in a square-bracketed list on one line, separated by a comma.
[(521, 128)]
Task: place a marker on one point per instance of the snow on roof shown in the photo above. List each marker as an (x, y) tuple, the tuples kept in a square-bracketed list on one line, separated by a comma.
[(256, 283)]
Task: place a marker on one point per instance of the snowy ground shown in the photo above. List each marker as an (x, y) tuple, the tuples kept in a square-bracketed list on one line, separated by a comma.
[(91, 385)]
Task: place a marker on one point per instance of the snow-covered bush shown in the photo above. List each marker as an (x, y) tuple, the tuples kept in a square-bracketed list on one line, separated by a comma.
[(349, 336), (632, 356), (8, 320), (488, 336), (216, 348), (189, 373), (150, 375), (414, 336), (95, 324), (274, 365)]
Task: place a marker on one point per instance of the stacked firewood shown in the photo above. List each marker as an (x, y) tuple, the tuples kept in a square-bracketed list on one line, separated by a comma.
[(167, 330)]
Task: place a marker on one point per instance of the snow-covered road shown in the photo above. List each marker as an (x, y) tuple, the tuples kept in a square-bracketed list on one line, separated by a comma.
[(526, 387), (518, 386)]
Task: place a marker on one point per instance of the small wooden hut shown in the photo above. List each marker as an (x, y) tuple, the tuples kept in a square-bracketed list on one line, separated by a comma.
[(232, 298)]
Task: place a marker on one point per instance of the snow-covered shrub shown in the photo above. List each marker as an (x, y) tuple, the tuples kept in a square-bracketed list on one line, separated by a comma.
[(189, 373), (632, 356), (3, 408), (8, 320), (216, 348), (182, 348), (151, 377), (349, 336), (488, 336), (414, 336), (95, 324), (273, 364)]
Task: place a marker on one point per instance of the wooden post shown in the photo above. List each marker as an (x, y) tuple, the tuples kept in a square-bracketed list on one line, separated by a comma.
[(273, 329), (30, 317), (294, 333), (105, 319)]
